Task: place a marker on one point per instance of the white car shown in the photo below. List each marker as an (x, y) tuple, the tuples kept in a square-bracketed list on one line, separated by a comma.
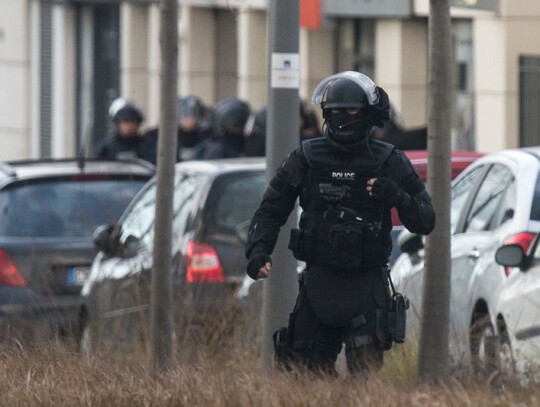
[(495, 201), (519, 303)]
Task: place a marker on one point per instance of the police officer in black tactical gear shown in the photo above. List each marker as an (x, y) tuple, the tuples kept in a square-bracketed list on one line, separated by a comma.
[(126, 141), (228, 140), (347, 183), (194, 126)]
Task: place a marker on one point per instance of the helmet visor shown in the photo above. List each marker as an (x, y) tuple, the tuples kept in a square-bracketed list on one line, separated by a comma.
[(362, 80)]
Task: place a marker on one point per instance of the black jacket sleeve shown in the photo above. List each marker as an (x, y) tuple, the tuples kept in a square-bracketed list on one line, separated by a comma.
[(278, 202), (415, 209)]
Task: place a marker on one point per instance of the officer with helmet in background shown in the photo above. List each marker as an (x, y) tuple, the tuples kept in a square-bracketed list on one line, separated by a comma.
[(194, 126), (347, 183), (228, 139), (126, 141), (255, 129)]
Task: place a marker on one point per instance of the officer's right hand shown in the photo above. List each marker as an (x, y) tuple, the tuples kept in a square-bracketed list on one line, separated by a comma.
[(259, 266)]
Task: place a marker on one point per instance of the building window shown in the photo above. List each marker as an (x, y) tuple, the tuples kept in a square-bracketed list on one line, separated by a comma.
[(463, 137), (355, 46), (529, 101)]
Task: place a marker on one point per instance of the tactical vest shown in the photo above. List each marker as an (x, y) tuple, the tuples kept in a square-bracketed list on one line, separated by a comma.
[(341, 226)]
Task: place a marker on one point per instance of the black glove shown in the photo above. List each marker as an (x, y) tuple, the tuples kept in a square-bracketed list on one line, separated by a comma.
[(255, 263), (387, 192), (381, 110)]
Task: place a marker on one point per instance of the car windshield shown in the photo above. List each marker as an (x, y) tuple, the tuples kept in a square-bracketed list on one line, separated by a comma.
[(64, 207)]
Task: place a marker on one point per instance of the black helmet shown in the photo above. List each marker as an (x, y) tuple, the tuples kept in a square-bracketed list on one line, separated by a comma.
[(190, 106), (343, 93), (356, 78), (231, 115), (123, 111)]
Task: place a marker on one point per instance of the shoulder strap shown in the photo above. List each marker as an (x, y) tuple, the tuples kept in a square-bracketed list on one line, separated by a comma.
[(381, 150), (312, 148)]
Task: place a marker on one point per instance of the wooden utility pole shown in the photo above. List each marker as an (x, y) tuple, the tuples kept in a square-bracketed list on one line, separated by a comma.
[(433, 354), (161, 295)]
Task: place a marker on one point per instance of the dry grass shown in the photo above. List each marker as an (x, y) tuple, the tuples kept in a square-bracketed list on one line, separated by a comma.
[(53, 375), (223, 369)]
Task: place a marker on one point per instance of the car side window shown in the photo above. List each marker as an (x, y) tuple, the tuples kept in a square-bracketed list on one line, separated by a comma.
[(507, 208), (486, 201), (140, 218), (184, 199), (460, 192), (238, 200)]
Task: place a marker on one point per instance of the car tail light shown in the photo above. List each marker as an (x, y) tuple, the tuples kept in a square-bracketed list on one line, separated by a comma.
[(9, 273), (523, 239), (203, 264)]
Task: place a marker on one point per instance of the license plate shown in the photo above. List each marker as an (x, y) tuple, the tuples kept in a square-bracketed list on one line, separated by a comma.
[(77, 275)]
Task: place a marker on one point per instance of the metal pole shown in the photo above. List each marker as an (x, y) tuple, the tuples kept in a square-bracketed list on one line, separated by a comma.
[(282, 137), (161, 295)]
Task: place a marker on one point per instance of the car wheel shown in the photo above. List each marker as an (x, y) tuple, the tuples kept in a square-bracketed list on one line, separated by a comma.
[(506, 360), (483, 345)]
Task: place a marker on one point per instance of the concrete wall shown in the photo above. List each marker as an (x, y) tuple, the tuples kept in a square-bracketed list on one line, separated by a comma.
[(134, 49), (519, 8), (64, 137), (15, 80), (252, 83), (401, 67), (154, 66), (226, 59), (197, 53)]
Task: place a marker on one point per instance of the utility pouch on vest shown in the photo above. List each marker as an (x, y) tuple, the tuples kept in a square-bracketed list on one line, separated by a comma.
[(346, 243), (397, 317), (297, 244)]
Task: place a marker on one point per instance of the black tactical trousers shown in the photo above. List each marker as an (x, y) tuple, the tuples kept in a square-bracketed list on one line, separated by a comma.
[(316, 346)]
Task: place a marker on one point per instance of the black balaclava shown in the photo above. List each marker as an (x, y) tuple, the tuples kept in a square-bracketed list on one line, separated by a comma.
[(346, 128)]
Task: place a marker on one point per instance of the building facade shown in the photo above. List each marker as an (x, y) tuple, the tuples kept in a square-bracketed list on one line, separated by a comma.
[(62, 62)]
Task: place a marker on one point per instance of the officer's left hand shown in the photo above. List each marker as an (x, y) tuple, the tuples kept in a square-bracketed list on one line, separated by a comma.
[(259, 266), (385, 190)]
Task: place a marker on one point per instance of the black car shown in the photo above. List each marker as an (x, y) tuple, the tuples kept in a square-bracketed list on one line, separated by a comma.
[(48, 211), (212, 201)]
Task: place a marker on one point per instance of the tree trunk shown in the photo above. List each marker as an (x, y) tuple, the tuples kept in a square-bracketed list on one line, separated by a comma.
[(433, 355), (161, 295)]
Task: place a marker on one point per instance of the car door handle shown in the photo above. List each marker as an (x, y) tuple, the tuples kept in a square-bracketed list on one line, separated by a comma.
[(473, 254)]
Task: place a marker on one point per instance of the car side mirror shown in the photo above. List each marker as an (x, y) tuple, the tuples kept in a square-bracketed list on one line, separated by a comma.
[(103, 240), (242, 231), (510, 255), (410, 242)]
